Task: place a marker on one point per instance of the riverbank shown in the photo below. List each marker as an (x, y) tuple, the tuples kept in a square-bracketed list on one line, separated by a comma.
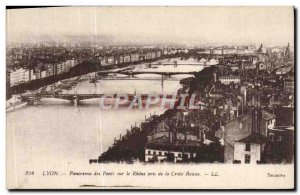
[(131, 146), (16, 105)]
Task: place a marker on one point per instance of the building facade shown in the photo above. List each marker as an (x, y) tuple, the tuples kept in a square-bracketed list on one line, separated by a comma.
[(229, 79)]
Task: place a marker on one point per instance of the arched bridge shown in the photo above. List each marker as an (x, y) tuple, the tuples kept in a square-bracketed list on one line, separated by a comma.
[(132, 73), (180, 64), (31, 98)]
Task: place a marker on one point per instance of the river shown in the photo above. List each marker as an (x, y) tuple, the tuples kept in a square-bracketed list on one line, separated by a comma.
[(56, 134)]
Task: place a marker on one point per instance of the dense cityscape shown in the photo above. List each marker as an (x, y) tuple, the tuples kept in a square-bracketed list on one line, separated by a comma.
[(246, 110)]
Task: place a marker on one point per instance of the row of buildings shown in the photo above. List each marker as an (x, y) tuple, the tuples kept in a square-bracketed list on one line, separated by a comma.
[(44, 67), (42, 70), (21, 61), (241, 50), (245, 50), (134, 57)]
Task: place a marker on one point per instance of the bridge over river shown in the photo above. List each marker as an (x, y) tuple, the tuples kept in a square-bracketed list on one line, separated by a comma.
[(75, 98), (132, 73)]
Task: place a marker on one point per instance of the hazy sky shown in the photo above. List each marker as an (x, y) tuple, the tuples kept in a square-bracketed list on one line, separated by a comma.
[(184, 25)]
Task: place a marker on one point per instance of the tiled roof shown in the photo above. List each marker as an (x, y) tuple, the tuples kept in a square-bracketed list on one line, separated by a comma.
[(253, 138), (267, 116), (164, 144)]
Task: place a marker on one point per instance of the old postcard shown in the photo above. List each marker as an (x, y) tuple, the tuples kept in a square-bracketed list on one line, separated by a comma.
[(150, 98)]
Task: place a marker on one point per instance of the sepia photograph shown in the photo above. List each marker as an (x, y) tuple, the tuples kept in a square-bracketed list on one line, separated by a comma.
[(150, 97)]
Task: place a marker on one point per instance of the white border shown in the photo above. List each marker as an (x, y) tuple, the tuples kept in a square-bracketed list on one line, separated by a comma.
[(5, 3), (153, 2)]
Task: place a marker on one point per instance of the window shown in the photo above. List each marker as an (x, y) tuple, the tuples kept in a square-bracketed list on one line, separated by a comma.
[(271, 137), (166, 153), (154, 153), (248, 147), (159, 153), (186, 156), (149, 151), (241, 126), (179, 155), (247, 158)]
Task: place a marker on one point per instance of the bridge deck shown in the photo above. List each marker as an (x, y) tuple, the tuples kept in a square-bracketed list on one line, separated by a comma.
[(144, 72), (28, 97), (190, 64)]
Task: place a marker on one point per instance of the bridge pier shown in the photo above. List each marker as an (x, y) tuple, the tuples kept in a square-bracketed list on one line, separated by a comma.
[(32, 102), (75, 100)]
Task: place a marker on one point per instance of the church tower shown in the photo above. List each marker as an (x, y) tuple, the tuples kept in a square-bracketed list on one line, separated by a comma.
[(287, 53)]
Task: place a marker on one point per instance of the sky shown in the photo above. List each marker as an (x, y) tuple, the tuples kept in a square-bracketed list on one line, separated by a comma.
[(272, 26)]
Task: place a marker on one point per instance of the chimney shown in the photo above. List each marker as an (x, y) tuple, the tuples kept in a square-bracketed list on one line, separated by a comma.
[(171, 135), (259, 120), (175, 135), (254, 116), (256, 120), (185, 132), (202, 137), (199, 133)]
